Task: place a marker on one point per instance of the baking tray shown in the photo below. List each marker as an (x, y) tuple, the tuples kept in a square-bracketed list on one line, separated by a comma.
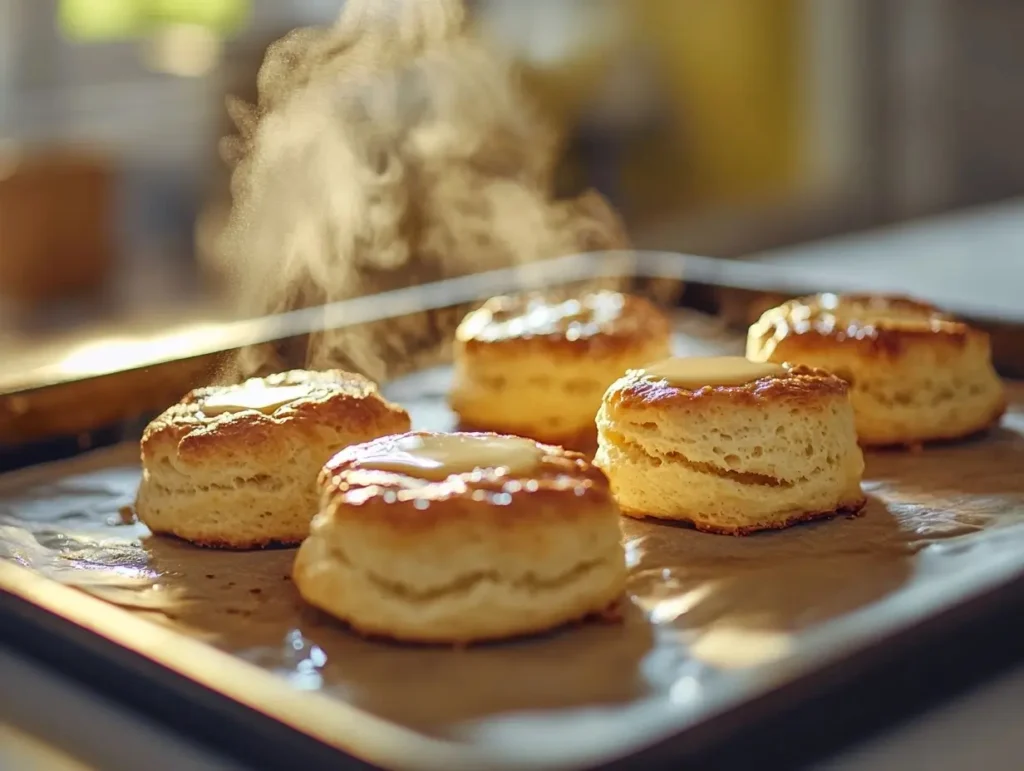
[(71, 398), (777, 647)]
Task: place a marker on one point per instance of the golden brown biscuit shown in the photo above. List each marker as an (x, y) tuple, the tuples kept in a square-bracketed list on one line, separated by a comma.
[(729, 445), (236, 467), (537, 366), (454, 538), (915, 373)]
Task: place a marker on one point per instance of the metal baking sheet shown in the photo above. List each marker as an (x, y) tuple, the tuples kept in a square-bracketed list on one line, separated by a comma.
[(713, 621)]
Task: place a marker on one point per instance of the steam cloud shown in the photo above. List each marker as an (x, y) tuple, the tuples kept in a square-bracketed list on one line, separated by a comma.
[(391, 149)]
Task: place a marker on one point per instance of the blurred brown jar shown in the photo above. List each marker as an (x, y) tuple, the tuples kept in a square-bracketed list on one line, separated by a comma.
[(56, 224)]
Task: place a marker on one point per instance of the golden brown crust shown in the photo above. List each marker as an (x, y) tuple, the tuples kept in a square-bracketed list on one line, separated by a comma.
[(872, 325), (798, 384), (592, 324), (410, 503), (853, 509), (916, 374), (496, 552), (537, 365), (244, 478), (336, 400)]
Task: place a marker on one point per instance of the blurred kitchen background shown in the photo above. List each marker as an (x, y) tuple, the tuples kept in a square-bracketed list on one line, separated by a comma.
[(722, 128)]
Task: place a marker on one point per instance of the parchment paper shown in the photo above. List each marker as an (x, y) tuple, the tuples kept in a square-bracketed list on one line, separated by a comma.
[(712, 619)]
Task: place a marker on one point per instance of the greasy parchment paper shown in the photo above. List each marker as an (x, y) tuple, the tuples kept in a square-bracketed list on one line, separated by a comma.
[(713, 619)]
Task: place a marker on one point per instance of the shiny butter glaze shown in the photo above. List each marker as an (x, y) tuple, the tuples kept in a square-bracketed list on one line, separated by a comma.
[(253, 395), (696, 372), (435, 457), (406, 471), (579, 318), (884, 321)]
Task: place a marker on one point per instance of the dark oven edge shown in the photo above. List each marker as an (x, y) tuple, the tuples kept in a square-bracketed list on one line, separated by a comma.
[(804, 721)]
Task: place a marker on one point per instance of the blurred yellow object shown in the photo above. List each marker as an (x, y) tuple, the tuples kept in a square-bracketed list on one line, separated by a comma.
[(98, 19), (726, 74), (733, 69)]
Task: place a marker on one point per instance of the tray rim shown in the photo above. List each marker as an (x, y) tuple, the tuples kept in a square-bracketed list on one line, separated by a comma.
[(737, 274)]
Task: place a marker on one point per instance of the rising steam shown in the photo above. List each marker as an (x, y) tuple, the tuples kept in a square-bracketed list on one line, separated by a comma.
[(391, 149)]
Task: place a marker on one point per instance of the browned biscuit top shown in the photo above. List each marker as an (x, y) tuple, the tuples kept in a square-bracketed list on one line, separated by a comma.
[(882, 324), (592, 322), (638, 390), (500, 495), (219, 418)]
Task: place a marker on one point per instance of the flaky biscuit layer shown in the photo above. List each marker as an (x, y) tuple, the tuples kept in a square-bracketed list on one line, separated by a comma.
[(477, 556), (915, 373), (732, 459), (524, 367), (246, 479)]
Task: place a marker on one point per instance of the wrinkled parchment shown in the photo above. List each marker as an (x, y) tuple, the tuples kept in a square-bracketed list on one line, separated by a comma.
[(712, 618)]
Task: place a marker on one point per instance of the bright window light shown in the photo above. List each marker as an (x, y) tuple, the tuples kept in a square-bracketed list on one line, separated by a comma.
[(104, 20)]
